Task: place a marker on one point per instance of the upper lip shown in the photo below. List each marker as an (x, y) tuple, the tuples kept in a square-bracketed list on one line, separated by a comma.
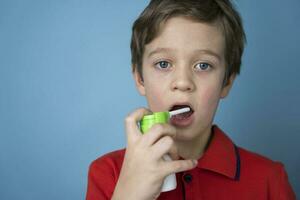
[(181, 104)]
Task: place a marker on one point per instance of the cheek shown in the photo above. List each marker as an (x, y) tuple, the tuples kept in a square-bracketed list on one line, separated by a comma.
[(212, 91), (210, 97), (155, 97)]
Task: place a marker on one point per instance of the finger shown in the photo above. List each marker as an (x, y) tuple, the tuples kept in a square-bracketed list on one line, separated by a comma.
[(131, 121), (179, 166), (157, 131), (173, 152), (162, 146)]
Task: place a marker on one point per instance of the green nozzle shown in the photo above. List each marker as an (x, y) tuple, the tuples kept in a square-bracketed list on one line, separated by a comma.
[(156, 118)]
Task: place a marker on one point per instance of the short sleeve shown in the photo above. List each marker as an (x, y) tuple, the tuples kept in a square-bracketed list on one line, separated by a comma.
[(101, 180), (280, 188)]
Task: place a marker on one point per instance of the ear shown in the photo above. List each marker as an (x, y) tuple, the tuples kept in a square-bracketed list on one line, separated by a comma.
[(139, 83), (226, 88)]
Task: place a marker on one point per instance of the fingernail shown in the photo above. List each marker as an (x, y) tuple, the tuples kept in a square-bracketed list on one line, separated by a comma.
[(195, 162)]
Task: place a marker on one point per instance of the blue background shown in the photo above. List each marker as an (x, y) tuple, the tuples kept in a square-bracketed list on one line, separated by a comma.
[(66, 86)]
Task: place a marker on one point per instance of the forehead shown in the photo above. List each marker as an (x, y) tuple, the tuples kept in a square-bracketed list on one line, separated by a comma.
[(184, 35)]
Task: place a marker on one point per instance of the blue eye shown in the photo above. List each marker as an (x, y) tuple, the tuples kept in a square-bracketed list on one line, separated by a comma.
[(162, 64), (202, 66)]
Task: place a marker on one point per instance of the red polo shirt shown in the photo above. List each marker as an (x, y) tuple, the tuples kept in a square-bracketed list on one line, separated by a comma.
[(225, 171)]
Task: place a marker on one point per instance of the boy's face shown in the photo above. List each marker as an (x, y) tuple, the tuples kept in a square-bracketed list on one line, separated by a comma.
[(185, 65)]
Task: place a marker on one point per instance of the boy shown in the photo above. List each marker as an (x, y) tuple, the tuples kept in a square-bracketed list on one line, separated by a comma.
[(185, 54)]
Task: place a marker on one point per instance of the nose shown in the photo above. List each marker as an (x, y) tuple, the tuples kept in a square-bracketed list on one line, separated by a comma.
[(183, 81)]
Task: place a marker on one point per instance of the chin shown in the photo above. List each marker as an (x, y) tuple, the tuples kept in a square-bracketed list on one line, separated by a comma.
[(186, 136), (189, 135)]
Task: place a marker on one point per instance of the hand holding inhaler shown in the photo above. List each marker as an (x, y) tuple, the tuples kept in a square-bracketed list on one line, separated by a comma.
[(161, 118), (143, 169)]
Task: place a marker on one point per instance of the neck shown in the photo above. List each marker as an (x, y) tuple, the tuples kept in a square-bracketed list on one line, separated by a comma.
[(194, 148)]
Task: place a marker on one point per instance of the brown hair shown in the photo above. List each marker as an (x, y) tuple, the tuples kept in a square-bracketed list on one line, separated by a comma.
[(147, 27)]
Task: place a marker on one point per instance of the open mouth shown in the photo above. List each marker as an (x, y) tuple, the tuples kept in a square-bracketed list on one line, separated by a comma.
[(176, 107), (183, 119)]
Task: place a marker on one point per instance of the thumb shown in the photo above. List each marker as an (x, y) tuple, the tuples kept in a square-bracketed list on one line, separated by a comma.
[(131, 121), (180, 166)]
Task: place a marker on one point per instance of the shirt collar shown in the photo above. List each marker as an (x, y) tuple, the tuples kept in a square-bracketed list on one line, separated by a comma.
[(221, 156)]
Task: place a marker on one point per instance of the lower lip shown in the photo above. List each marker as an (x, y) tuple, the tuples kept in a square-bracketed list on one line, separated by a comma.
[(182, 122)]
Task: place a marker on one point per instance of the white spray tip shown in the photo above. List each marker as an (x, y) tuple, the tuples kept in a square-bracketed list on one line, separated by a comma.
[(179, 111)]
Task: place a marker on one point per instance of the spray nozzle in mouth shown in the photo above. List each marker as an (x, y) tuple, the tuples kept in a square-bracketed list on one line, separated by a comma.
[(179, 111)]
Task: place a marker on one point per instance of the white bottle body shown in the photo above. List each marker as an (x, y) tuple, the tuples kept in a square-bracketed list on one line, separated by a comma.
[(170, 181)]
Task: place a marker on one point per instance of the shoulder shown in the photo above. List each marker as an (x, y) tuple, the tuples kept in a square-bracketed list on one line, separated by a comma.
[(110, 163), (257, 169), (248, 160), (103, 175), (258, 165), (257, 161), (111, 157)]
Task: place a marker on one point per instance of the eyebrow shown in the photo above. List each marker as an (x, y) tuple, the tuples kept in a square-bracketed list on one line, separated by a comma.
[(159, 50), (165, 50)]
